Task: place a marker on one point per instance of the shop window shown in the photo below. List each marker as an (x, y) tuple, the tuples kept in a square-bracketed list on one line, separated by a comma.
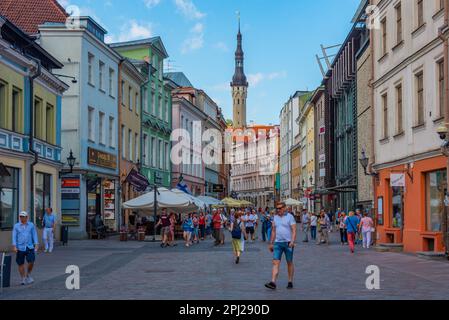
[(9, 198), (436, 187), (397, 213), (42, 196)]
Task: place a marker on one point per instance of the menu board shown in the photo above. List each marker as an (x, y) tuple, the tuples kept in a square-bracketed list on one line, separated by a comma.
[(109, 200), (70, 194)]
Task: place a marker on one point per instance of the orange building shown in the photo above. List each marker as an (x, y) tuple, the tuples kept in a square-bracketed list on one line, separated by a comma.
[(410, 204)]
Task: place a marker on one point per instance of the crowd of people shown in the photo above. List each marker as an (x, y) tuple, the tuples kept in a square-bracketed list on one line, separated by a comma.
[(353, 227)]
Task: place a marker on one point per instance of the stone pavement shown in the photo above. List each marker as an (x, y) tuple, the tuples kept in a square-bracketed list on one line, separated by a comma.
[(133, 270)]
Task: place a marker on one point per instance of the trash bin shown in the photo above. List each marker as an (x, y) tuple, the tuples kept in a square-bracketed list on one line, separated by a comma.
[(5, 270), (64, 235)]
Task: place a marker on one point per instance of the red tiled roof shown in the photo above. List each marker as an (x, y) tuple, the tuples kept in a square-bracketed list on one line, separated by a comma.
[(29, 14)]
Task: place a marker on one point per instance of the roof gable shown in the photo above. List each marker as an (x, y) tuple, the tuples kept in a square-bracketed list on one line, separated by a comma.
[(29, 14)]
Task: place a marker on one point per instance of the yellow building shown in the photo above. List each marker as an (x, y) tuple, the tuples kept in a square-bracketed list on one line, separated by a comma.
[(30, 133)]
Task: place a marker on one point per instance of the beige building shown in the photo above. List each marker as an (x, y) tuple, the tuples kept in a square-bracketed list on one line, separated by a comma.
[(130, 82)]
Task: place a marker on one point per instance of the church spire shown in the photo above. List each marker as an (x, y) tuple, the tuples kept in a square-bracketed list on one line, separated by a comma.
[(239, 78)]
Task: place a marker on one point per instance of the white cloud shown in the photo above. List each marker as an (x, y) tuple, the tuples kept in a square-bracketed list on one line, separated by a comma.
[(151, 3), (196, 39), (133, 30), (188, 9), (257, 78), (64, 3), (221, 46)]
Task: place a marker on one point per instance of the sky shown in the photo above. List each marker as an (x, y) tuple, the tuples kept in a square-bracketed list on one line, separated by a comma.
[(280, 41)]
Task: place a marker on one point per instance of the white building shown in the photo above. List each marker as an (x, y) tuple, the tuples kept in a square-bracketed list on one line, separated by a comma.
[(89, 123)]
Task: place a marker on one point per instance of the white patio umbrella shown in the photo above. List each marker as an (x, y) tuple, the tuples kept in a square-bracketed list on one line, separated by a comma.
[(210, 201), (293, 202), (194, 200), (165, 199)]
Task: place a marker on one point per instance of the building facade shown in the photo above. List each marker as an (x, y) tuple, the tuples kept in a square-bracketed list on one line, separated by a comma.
[(255, 166), (409, 106), (30, 131), (130, 81), (89, 124), (156, 108)]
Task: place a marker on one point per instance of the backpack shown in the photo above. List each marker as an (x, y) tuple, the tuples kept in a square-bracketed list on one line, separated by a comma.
[(236, 230)]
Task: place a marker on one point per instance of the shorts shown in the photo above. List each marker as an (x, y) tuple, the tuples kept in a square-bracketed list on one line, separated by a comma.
[(237, 245), (28, 254), (165, 231), (282, 248), (250, 230)]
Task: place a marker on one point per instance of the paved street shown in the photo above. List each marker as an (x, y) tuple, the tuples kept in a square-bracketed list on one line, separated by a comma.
[(132, 270)]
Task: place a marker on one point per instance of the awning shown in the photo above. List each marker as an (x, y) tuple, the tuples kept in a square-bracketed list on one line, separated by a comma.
[(165, 199), (210, 201), (196, 201)]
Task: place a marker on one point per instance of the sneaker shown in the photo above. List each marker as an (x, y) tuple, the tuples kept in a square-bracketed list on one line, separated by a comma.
[(290, 285), (237, 260), (23, 282), (271, 285), (29, 280)]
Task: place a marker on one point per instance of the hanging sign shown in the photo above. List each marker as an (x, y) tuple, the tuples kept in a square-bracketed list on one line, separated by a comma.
[(397, 180)]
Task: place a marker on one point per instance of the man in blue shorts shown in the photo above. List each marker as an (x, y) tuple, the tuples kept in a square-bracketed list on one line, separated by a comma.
[(283, 237), (25, 244)]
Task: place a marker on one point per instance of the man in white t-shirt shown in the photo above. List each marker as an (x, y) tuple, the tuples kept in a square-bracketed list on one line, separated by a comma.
[(283, 237)]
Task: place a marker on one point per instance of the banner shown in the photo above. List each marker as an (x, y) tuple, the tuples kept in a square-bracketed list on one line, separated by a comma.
[(137, 180)]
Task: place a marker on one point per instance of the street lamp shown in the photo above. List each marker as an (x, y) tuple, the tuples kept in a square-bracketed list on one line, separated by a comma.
[(311, 181), (71, 161), (364, 161)]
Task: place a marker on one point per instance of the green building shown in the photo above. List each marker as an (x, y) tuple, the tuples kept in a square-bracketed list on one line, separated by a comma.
[(156, 105)]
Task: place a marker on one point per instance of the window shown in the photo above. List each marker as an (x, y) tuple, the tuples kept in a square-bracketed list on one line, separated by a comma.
[(153, 103), (161, 154), (166, 110), (123, 142), (136, 147), (9, 198), (420, 12), (384, 36), (441, 87), (154, 159), (91, 124), (420, 97), (399, 36), (397, 203), (111, 132), (399, 110), (38, 117), (122, 85), (145, 100), (42, 195), (101, 75), (90, 71), (50, 125), (145, 150), (111, 82), (161, 110), (137, 102), (436, 183), (130, 98), (385, 115), (101, 129), (130, 145), (16, 110), (3, 106)]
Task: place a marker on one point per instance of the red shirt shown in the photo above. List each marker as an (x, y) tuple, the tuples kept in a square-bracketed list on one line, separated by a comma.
[(202, 221), (217, 221)]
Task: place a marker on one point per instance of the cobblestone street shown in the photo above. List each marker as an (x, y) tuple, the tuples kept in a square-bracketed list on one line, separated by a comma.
[(131, 270)]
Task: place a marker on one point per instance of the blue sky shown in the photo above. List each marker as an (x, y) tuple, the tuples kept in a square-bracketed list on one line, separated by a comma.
[(281, 38)]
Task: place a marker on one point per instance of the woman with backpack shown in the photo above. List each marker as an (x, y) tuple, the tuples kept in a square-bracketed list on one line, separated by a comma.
[(237, 229)]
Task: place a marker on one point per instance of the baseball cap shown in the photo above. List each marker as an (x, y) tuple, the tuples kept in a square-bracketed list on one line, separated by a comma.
[(23, 214)]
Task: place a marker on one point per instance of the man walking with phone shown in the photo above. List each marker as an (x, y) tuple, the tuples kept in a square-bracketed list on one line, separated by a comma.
[(283, 237), (25, 245)]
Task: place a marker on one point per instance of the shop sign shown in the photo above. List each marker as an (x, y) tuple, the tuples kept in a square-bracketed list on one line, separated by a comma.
[(70, 190), (397, 180), (218, 188), (70, 183), (322, 130), (322, 158), (322, 173), (102, 159)]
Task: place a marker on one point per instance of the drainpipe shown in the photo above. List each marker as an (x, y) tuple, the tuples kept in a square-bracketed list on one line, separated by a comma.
[(373, 126), (31, 133)]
